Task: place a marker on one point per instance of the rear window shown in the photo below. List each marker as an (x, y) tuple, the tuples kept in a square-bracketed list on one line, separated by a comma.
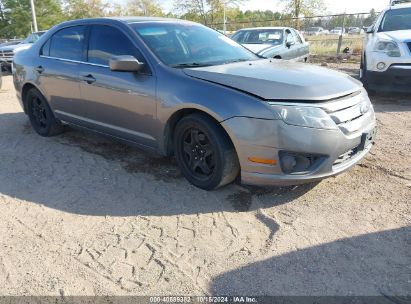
[(67, 43)]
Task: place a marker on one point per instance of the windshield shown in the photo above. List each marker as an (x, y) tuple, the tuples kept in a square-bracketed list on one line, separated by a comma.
[(263, 36), (396, 20), (32, 38), (188, 44)]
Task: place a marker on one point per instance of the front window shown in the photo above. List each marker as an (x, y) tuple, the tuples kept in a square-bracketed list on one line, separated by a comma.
[(263, 36), (396, 20), (187, 44)]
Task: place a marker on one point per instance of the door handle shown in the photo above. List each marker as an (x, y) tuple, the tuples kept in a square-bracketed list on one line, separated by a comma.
[(40, 69), (88, 78)]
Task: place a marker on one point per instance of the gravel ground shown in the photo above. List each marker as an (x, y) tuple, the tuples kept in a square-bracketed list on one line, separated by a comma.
[(80, 215)]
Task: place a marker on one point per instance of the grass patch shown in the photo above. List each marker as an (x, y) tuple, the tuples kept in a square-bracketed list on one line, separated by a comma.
[(327, 45)]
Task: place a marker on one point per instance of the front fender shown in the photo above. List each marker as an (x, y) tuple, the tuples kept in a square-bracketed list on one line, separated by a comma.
[(182, 92)]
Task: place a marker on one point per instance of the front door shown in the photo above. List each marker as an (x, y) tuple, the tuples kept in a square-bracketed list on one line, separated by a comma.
[(122, 104)]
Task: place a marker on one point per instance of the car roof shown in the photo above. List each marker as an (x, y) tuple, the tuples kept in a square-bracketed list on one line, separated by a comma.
[(264, 28), (399, 6), (136, 19), (124, 20)]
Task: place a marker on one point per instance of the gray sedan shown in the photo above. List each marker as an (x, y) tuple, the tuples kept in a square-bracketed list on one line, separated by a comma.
[(178, 88), (274, 42)]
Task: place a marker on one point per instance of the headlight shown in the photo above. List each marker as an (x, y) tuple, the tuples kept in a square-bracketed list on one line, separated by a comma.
[(388, 47), (305, 117)]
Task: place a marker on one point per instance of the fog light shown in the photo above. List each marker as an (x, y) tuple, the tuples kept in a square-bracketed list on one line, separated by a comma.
[(299, 163), (381, 66), (288, 163)]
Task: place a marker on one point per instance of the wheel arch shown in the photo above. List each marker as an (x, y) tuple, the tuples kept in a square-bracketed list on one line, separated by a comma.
[(24, 90), (176, 117)]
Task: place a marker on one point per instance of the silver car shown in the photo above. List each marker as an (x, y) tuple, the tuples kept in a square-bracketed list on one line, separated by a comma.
[(7, 51), (274, 42), (178, 88)]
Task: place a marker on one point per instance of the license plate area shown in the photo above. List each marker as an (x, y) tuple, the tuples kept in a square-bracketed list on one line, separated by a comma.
[(367, 139)]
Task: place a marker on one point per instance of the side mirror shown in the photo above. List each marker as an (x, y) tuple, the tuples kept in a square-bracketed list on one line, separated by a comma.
[(369, 30), (289, 42), (125, 63)]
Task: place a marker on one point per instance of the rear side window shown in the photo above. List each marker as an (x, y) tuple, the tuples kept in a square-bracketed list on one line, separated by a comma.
[(297, 37), (66, 44), (106, 41), (45, 50)]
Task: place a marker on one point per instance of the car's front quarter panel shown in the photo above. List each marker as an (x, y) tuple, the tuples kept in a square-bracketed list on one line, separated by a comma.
[(176, 91)]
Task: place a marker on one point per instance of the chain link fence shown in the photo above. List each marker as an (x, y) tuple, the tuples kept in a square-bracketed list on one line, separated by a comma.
[(328, 35)]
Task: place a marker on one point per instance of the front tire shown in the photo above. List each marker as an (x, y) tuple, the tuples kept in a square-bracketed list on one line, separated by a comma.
[(204, 152), (364, 76), (41, 117)]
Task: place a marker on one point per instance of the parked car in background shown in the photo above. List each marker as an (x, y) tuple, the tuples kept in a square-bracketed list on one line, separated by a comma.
[(274, 42), (337, 31), (11, 42), (7, 52), (179, 88), (316, 31), (386, 60), (355, 31)]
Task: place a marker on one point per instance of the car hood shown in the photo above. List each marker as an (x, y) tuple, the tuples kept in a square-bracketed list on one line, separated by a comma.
[(279, 80), (256, 48), (15, 47), (399, 36)]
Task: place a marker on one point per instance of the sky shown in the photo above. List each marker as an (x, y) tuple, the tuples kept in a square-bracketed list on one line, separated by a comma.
[(333, 6)]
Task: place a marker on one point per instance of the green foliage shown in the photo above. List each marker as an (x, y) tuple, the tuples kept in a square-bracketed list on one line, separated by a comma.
[(144, 8), (15, 16), (79, 9)]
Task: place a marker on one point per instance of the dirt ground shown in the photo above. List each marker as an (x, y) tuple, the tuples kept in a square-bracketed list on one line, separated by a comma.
[(80, 215)]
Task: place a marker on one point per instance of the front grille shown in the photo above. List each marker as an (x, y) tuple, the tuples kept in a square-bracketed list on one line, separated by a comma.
[(6, 54), (346, 156), (350, 112)]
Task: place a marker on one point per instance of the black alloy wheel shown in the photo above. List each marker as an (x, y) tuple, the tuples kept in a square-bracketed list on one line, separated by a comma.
[(199, 154), (41, 117), (204, 152)]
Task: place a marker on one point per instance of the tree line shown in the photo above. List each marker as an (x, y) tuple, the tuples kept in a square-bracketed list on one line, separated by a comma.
[(15, 15)]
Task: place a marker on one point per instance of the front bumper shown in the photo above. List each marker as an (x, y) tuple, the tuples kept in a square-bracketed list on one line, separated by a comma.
[(267, 138), (397, 78)]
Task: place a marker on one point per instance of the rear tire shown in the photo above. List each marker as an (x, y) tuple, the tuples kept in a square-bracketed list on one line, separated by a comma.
[(41, 116), (204, 152)]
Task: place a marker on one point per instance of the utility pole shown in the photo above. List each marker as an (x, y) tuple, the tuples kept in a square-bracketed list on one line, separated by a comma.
[(225, 19), (33, 15), (341, 35)]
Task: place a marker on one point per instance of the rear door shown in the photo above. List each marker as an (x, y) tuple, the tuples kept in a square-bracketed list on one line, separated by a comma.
[(58, 68), (121, 104)]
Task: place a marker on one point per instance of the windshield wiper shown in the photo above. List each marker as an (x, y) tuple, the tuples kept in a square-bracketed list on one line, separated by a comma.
[(236, 60), (189, 65)]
